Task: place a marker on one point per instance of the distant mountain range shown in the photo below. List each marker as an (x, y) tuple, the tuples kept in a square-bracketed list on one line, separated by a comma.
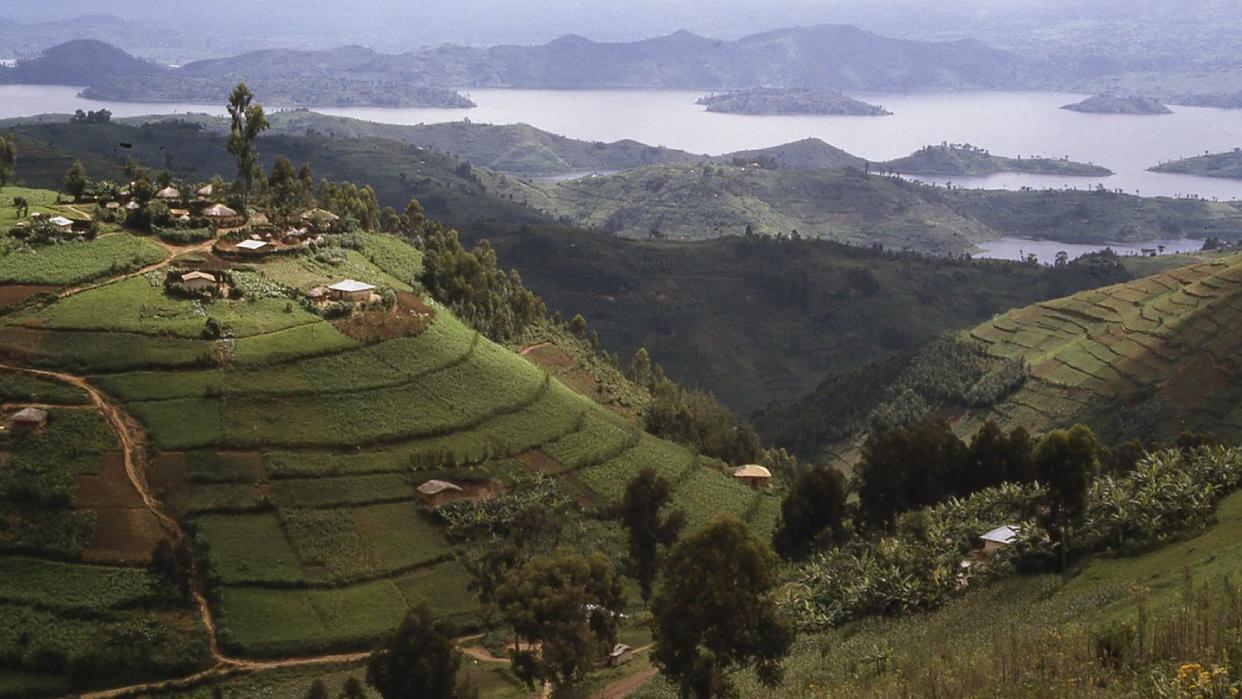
[(828, 56)]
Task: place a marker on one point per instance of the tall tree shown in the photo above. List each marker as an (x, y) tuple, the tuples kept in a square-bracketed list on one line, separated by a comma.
[(1067, 461), (76, 182), (8, 159), (813, 513), (714, 611), (417, 660), (568, 604), (249, 120), (648, 531)]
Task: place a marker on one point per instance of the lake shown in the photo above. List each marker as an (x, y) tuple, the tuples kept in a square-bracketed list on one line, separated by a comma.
[(1046, 250), (1007, 123)]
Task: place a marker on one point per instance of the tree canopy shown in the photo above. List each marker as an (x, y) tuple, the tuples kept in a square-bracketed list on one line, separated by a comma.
[(417, 660), (248, 121), (568, 604), (813, 513), (714, 611), (8, 159), (647, 530)]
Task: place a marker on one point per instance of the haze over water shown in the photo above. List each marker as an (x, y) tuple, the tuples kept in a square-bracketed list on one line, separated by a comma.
[(1006, 123)]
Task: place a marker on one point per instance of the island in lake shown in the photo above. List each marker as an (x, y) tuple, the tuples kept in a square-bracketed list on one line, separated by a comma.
[(1112, 104), (1224, 165), (774, 100), (965, 160)]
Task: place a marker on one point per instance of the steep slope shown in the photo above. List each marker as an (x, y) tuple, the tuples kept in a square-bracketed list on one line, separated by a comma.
[(761, 321), (287, 445), (1145, 359)]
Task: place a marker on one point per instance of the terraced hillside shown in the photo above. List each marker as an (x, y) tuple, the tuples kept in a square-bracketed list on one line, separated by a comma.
[(287, 449), (1166, 347), (1145, 359)]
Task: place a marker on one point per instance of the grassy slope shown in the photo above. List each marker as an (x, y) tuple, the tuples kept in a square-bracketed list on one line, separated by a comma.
[(1145, 359), (1017, 637), (959, 162), (300, 475), (1227, 165), (760, 322)]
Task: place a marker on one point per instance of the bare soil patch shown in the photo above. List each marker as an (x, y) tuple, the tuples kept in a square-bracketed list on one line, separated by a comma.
[(410, 316), (126, 532), (15, 294)]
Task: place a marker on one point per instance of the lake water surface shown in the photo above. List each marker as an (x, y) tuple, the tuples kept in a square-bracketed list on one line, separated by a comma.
[(1045, 251), (1007, 123)]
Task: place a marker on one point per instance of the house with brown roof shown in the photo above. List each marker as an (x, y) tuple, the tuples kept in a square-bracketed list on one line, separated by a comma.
[(222, 216), (753, 475), (168, 194), (198, 281), (28, 419)]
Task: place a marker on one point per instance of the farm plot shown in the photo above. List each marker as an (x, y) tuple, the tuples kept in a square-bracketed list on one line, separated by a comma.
[(72, 587), (393, 255), (707, 493), (77, 262), (608, 480), (599, 439), (249, 548), (27, 388), (99, 352), (42, 468), (139, 305)]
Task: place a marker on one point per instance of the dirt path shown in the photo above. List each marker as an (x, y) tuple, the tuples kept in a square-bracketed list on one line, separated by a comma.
[(173, 252), (132, 441), (538, 345)]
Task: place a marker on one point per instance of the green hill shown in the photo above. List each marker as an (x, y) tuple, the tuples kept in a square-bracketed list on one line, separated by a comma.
[(710, 200), (807, 154), (286, 443), (968, 161), (761, 321), (696, 201), (1227, 165), (1145, 359), (79, 62)]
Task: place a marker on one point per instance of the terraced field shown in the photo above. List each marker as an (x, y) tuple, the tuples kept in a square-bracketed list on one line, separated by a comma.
[(1165, 348), (289, 450)]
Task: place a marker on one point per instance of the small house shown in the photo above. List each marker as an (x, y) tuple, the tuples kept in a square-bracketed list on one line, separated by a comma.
[(168, 194), (435, 493), (179, 213), (620, 655), (999, 538), (198, 281), (222, 216), (133, 206), (113, 206), (753, 475), (351, 290), (317, 294), (61, 222), (205, 191), (28, 419), (252, 247)]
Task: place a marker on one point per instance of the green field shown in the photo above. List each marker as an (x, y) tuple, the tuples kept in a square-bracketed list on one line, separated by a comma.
[(74, 263)]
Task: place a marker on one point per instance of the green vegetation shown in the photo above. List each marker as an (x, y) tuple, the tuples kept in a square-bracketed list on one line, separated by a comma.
[(18, 387), (761, 321), (76, 262), (965, 160)]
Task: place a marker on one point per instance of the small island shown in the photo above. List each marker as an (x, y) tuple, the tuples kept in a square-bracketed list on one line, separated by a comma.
[(965, 160), (773, 100), (1223, 165), (1112, 104)]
